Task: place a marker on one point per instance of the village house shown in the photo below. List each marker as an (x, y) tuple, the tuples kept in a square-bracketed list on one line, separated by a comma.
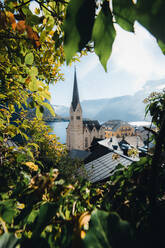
[(118, 129)]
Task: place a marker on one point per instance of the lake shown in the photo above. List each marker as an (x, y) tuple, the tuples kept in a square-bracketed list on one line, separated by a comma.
[(59, 128)]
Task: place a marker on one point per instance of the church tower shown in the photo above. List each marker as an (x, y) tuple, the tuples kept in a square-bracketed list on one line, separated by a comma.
[(75, 127)]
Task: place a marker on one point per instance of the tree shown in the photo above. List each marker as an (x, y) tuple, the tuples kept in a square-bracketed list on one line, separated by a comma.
[(31, 54)]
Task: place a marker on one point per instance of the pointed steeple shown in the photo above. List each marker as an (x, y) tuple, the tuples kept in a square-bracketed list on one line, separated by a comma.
[(75, 97)]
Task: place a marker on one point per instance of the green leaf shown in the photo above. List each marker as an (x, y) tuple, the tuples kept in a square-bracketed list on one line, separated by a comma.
[(124, 11), (26, 10), (8, 240), (36, 146), (32, 104), (38, 113), (32, 216), (49, 107), (78, 26), (50, 23), (29, 58), (103, 34), (34, 20), (7, 211), (21, 157), (8, 215), (162, 46), (151, 15), (33, 85), (33, 71), (107, 230), (41, 109), (47, 211), (85, 21)]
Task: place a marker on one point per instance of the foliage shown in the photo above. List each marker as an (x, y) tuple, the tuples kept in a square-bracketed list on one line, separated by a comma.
[(43, 201), (108, 230), (28, 61), (8, 240), (101, 17), (155, 106)]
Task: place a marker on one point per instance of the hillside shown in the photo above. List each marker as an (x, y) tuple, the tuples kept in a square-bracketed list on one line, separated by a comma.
[(128, 108)]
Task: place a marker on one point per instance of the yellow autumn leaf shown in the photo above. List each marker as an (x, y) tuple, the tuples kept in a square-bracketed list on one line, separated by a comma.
[(44, 21), (84, 219), (32, 166), (37, 11), (82, 234), (20, 205), (51, 32)]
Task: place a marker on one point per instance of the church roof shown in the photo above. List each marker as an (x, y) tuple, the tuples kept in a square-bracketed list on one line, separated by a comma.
[(75, 97), (91, 124)]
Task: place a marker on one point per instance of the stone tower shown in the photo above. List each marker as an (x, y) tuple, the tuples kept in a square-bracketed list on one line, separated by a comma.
[(75, 127)]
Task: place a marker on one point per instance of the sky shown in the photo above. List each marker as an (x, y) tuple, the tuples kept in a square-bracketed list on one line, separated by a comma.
[(135, 59)]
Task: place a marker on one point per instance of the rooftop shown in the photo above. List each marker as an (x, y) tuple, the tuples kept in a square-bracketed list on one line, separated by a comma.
[(91, 124), (115, 124), (104, 166)]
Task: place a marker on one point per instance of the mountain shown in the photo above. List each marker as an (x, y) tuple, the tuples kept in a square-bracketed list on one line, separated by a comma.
[(128, 108), (61, 110)]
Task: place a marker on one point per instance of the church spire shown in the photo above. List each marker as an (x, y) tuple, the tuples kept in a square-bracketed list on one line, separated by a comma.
[(75, 97)]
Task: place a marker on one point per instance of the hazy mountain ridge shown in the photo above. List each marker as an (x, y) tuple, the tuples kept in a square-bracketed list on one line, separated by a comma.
[(127, 107)]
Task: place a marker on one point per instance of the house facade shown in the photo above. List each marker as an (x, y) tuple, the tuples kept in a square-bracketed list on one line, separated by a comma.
[(80, 133), (118, 129)]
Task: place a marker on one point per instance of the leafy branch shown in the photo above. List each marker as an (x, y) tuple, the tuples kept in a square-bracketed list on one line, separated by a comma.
[(23, 4)]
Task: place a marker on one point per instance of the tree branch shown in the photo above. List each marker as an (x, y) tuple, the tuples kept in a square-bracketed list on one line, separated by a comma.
[(53, 13), (23, 4)]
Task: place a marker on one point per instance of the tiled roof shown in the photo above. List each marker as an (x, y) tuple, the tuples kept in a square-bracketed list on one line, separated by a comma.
[(115, 124), (75, 97), (91, 124), (110, 143), (132, 141), (97, 151), (103, 167)]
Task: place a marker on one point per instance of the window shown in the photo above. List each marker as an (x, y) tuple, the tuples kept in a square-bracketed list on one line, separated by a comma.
[(71, 117), (86, 142), (78, 117)]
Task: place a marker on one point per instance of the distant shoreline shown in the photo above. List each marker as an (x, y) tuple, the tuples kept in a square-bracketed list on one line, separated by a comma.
[(57, 120)]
